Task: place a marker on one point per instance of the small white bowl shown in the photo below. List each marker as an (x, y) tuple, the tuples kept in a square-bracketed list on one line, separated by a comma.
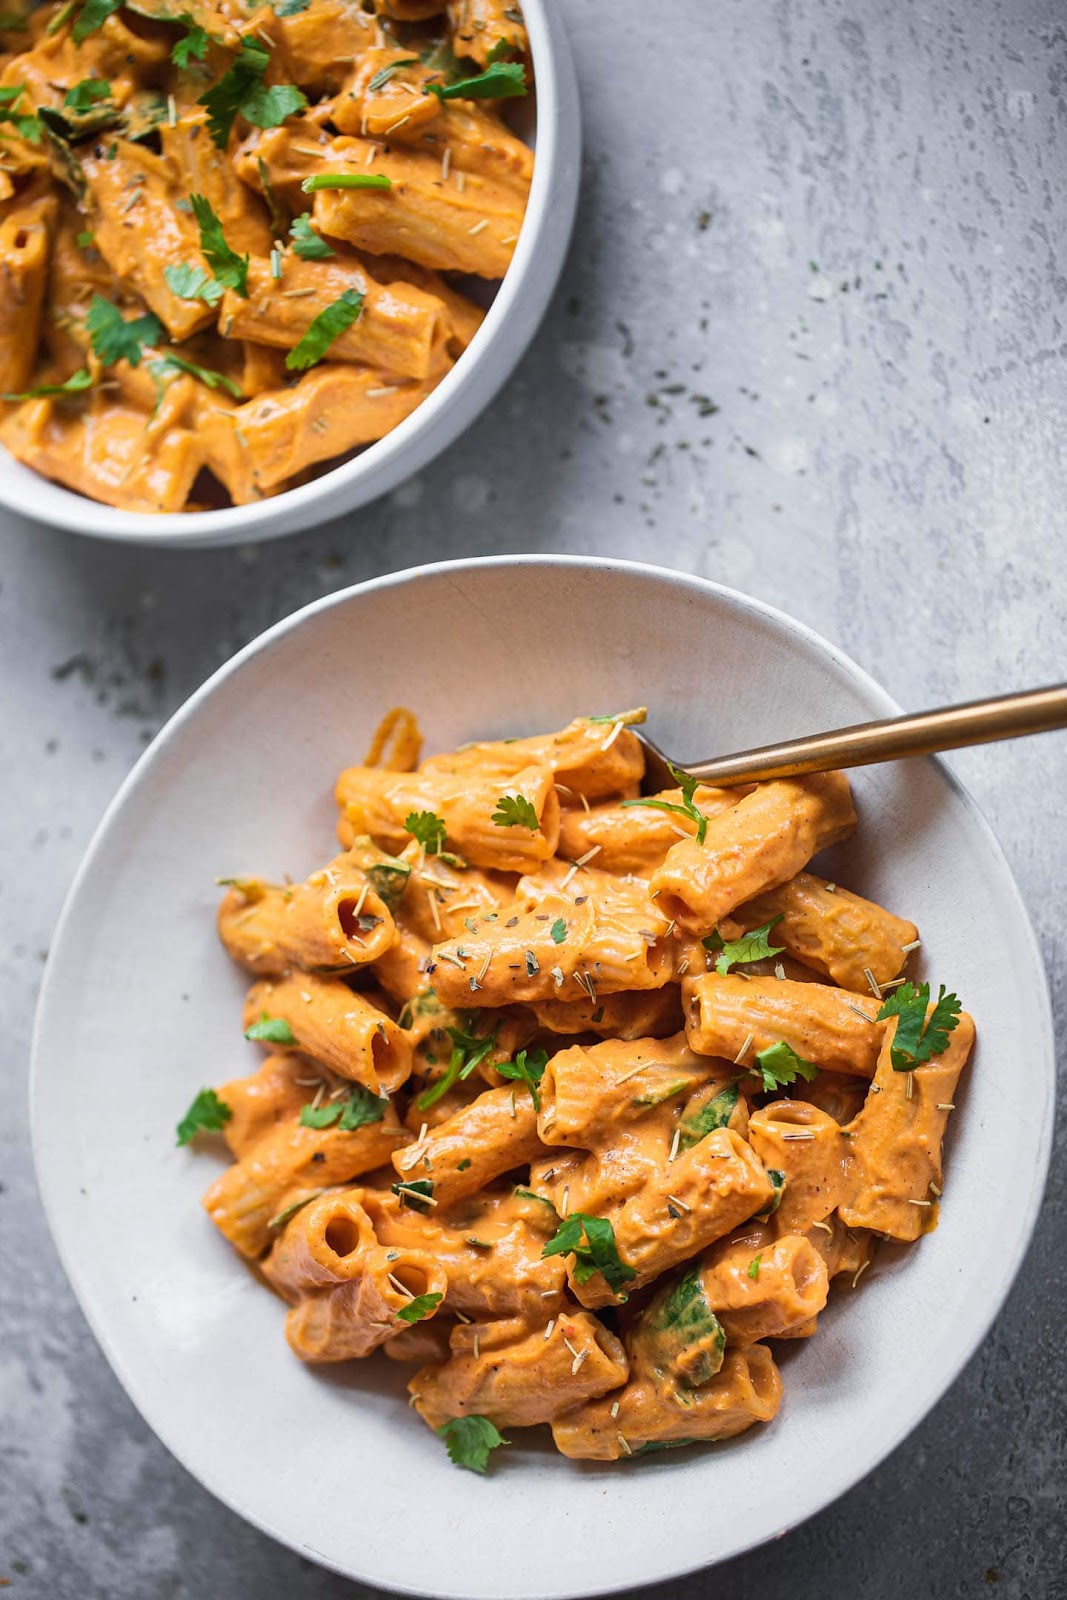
[(512, 319), (141, 1008)]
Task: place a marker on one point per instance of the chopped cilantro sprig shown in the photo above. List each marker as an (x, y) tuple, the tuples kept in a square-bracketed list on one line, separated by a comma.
[(752, 946), (919, 1038), (471, 1441), (207, 1114), (688, 807), (598, 1253)]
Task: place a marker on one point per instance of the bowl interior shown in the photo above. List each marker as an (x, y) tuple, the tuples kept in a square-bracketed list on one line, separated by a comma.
[(141, 1008)]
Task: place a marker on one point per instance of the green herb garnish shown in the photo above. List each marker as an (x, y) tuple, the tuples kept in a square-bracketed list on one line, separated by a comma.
[(229, 268), (207, 1114), (86, 94), (471, 1441), (93, 15), (271, 1030), (242, 92), (598, 1254), (528, 1067), (917, 1039), (418, 1193), (422, 1305), (113, 338), (171, 361), (688, 808), (558, 931), (360, 1109), (382, 76), (193, 283), (428, 828), (515, 811), (754, 1266), (75, 384), (327, 327), (194, 45), (306, 242), (346, 180), (468, 1052), (502, 80), (779, 1064), (753, 946)]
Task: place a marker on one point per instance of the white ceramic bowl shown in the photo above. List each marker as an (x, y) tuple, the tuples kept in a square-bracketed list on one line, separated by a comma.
[(141, 1007), (508, 328)]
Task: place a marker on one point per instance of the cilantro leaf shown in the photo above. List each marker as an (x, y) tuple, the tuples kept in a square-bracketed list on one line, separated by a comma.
[(528, 1067), (779, 1064), (468, 1052), (113, 338), (324, 329), (599, 1253), (428, 828), (515, 811), (917, 1039), (752, 946), (688, 808), (193, 283), (357, 1111), (207, 1114), (714, 1113), (754, 1266), (193, 46), (241, 92), (306, 242), (290, 8), (471, 1441), (346, 180), (422, 1305), (75, 384), (93, 15), (503, 80), (382, 76), (172, 361), (268, 107), (271, 1030), (229, 268), (416, 1193), (86, 94), (28, 125), (558, 931)]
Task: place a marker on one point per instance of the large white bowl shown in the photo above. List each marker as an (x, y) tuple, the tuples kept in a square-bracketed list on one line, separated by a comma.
[(141, 1008), (495, 349)]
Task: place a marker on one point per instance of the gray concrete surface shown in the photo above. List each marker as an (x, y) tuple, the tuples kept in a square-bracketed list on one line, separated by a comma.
[(810, 341)]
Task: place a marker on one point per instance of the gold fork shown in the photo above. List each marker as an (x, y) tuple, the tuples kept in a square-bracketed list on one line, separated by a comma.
[(923, 733)]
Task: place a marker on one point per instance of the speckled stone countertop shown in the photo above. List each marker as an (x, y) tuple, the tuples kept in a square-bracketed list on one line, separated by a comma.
[(809, 341)]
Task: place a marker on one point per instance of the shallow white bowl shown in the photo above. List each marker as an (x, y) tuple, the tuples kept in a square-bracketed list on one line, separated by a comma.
[(140, 1008), (495, 349)]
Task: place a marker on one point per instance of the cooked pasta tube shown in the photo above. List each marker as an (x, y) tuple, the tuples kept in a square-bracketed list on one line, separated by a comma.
[(812, 1152), (441, 900), (489, 1247), (518, 1375), (762, 1287), (255, 447), (589, 1095), (496, 1132), (336, 1026), (385, 96), (331, 923), (290, 1165), (560, 951), (132, 197), (483, 26), (630, 838), (585, 758), (399, 329), (401, 970), (379, 803), (836, 933), (897, 1137), (108, 456), (195, 161), (276, 161), (263, 1099), (839, 1094), (25, 234), (347, 1292), (678, 1340), (646, 1014), (736, 1018), (754, 846), (464, 317), (423, 1342), (472, 230), (645, 1416), (313, 46), (681, 1207)]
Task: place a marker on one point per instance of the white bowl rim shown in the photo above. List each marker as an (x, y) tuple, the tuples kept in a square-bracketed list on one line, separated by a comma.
[(381, 466), (831, 1486)]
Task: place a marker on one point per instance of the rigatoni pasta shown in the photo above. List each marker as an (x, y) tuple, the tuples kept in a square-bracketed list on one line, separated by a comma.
[(228, 242), (576, 1108)]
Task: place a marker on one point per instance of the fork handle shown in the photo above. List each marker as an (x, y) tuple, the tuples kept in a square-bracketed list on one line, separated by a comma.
[(1007, 716)]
